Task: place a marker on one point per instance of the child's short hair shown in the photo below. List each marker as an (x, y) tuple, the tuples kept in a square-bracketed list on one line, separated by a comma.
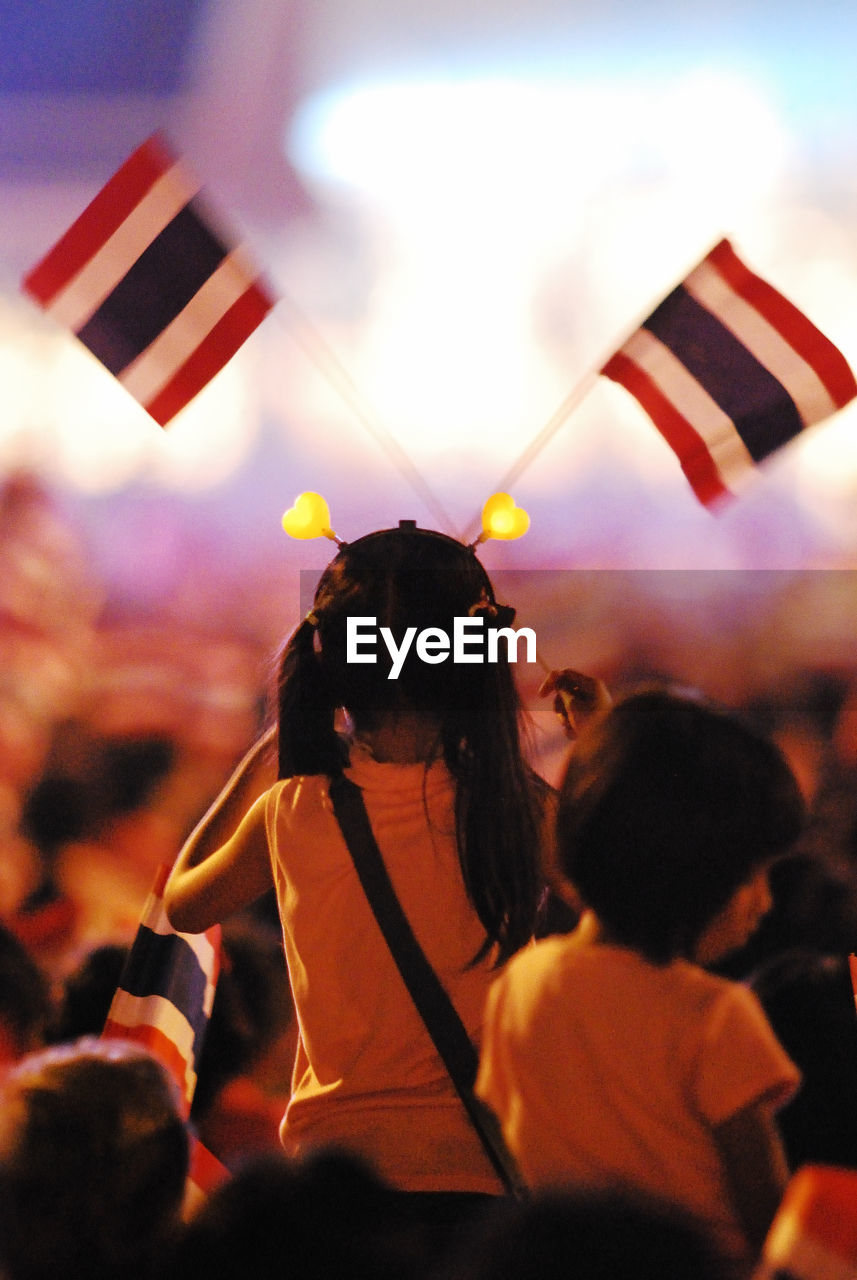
[(668, 805), (93, 1161)]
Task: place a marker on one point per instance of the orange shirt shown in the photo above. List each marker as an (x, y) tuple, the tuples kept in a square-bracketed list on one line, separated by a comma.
[(366, 1073), (611, 1073)]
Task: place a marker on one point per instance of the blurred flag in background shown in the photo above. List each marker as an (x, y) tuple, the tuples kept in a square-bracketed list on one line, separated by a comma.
[(729, 371), (150, 285)]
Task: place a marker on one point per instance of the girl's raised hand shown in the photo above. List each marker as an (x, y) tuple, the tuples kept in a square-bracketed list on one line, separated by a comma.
[(577, 698)]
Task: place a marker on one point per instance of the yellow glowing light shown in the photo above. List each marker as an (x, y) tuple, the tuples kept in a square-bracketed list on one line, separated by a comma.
[(502, 519), (309, 518)]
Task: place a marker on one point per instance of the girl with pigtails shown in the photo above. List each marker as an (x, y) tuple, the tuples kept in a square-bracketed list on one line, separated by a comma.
[(458, 817)]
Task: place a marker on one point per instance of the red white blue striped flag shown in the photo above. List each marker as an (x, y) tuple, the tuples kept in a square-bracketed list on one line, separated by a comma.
[(729, 371), (163, 1003), (159, 295), (166, 991), (205, 1172)]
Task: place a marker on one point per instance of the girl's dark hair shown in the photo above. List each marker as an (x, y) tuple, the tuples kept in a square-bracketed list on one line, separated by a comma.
[(668, 806), (410, 577)]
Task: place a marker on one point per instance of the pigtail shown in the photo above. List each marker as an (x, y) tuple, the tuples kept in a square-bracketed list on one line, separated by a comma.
[(498, 817), (307, 741)]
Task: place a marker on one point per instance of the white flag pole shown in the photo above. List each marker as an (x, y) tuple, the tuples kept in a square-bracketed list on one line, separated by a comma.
[(331, 367), (575, 396)]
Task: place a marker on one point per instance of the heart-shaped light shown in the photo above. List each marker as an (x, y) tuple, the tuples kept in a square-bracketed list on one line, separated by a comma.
[(308, 518), (502, 519)]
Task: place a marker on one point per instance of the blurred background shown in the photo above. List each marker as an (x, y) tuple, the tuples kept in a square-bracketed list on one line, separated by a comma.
[(463, 210)]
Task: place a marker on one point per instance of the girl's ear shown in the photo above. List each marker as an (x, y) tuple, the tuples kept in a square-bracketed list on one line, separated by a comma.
[(736, 922)]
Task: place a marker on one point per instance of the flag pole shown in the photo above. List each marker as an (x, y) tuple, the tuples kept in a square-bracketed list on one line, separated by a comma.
[(557, 418), (314, 345), (574, 398), (564, 410), (553, 424)]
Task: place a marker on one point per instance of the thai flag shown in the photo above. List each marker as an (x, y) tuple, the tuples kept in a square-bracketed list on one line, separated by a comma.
[(205, 1172), (814, 1232), (166, 991), (163, 1002), (145, 280), (730, 371)]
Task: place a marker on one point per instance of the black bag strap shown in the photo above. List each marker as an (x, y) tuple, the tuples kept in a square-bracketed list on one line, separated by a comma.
[(427, 992)]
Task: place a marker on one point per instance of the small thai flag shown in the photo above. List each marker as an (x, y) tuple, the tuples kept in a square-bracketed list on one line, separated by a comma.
[(166, 991), (163, 1003), (143, 278), (729, 371), (814, 1233), (205, 1172)]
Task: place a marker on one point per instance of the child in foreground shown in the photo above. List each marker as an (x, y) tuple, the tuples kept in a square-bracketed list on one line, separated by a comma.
[(458, 817), (612, 1058)]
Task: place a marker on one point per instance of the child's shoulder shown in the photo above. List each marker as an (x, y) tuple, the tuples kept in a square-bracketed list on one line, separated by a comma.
[(561, 961), (296, 794), (541, 961)]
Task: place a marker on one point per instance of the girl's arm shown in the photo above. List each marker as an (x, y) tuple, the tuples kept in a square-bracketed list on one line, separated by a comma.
[(224, 864), (756, 1167)]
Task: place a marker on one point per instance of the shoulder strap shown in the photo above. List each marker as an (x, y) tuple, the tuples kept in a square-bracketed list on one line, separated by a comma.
[(427, 992)]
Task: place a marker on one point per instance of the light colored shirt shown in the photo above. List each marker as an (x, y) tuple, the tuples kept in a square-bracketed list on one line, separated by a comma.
[(611, 1073), (366, 1073)]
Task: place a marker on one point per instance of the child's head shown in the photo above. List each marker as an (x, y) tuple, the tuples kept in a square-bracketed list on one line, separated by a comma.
[(93, 1161), (402, 578), (668, 807), (414, 578)]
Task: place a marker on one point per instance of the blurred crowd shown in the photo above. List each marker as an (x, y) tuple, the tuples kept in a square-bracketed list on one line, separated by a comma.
[(115, 733)]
